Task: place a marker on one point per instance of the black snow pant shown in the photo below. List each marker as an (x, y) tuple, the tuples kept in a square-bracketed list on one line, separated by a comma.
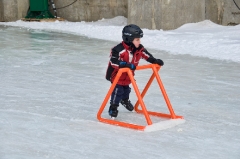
[(120, 92)]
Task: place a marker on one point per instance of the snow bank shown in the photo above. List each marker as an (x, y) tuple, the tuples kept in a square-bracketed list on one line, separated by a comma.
[(205, 39), (200, 25), (164, 125)]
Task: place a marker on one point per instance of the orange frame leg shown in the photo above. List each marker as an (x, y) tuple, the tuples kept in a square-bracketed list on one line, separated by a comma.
[(140, 102)]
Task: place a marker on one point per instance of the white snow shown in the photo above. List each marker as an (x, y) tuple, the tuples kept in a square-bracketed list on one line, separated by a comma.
[(52, 84), (205, 39), (164, 125)]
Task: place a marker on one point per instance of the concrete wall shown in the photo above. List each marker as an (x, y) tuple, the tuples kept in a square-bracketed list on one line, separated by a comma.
[(23, 6), (82, 10), (178, 12), (152, 14), (1, 11), (165, 14), (9, 10), (223, 12), (91, 10), (13, 10), (171, 14)]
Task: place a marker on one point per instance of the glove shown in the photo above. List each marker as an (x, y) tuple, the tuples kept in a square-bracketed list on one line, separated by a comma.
[(123, 64), (131, 66), (159, 62)]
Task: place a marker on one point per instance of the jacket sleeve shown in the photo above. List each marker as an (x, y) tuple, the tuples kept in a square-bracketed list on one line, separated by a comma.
[(147, 56), (114, 59), (116, 52)]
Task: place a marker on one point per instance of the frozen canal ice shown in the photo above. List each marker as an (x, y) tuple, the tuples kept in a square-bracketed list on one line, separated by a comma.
[(52, 85)]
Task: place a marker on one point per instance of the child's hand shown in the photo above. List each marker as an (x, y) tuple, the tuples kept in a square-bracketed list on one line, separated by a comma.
[(131, 66), (123, 64)]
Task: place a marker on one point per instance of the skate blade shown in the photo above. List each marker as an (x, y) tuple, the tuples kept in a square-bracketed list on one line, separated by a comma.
[(113, 118)]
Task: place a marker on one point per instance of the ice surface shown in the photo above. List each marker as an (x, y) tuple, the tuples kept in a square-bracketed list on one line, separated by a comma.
[(52, 85)]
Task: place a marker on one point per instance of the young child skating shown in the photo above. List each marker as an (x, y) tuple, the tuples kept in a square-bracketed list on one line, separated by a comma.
[(126, 54)]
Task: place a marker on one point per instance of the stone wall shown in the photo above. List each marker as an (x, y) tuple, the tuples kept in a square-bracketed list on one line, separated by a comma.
[(223, 12), (9, 10), (165, 14), (151, 14), (13, 10), (91, 10), (1, 11), (22, 8), (82, 10), (171, 14)]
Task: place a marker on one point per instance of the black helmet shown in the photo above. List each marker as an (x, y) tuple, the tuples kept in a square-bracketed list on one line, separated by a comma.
[(130, 32)]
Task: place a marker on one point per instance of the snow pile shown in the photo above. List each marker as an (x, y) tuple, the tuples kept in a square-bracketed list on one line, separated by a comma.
[(200, 25), (117, 21), (205, 39), (164, 125)]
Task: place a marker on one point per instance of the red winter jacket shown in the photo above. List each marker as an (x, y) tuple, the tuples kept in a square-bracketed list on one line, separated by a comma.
[(122, 52)]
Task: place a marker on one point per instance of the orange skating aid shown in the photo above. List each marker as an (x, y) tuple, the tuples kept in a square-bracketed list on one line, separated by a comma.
[(155, 68)]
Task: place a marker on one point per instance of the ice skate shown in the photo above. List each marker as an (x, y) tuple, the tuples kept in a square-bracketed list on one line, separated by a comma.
[(127, 104), (113, 112)]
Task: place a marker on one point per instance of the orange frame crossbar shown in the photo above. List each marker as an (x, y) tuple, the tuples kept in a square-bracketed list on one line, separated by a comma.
[(155, 68)]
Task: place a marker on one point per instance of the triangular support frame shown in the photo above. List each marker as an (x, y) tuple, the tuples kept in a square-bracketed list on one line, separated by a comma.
[(155, 68)]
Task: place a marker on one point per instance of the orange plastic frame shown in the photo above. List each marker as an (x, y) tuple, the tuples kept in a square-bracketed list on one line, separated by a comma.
[(144, 111)]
